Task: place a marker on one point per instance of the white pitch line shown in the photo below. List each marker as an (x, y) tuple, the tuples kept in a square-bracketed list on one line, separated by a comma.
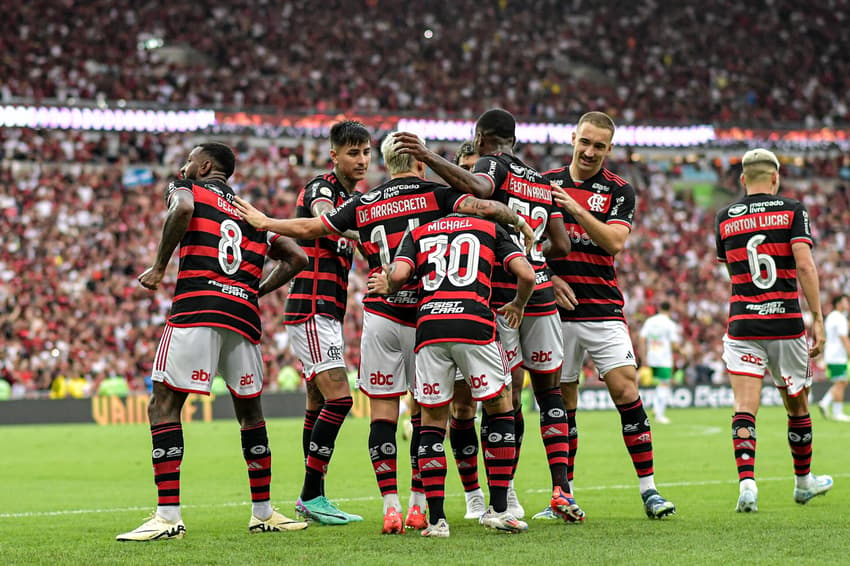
[(369, 498)]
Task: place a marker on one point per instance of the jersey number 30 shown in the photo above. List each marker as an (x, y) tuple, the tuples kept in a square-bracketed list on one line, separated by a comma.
[(465, 247)]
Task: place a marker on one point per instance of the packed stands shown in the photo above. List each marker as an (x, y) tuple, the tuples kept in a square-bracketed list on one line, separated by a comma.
[(759, 62), (77, 233)]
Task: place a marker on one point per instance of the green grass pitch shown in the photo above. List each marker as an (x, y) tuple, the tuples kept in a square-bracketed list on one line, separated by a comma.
[(70, 489)]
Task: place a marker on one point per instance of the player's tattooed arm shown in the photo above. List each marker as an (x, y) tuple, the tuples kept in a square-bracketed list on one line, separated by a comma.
[(181, 207), (452, 174), (291, 259), (498, 212)]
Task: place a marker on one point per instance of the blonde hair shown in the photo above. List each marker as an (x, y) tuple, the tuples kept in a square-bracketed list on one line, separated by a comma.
[(758, 172), (396, 162)]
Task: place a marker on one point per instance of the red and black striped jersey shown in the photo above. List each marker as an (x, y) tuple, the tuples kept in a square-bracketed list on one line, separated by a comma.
[(589, 269), (454, 259), (527, 193), (382, 216), (322, 287), (221, 263), (754, 237)]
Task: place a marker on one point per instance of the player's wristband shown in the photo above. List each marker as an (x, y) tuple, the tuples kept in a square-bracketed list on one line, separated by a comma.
[(520, 223)]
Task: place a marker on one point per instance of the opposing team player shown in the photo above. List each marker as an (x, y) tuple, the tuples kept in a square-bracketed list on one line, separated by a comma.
[(315, 309), (381, 217), (765, 241), (537, 344), (453, 259), (835, 353), (213, 329), (659, 336), (599, 208)]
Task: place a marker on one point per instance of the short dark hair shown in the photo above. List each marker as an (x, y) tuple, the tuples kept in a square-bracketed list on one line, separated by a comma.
[(837, 299), (349, 132), (664, 306), (497, 122), (465, 149), (221, 155)]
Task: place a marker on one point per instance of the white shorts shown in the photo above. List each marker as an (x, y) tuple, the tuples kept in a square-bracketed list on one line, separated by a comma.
[(386, 357), (483, 365), (787, 360), (606, 341), (318, 343), (536, 345), (188, 358)]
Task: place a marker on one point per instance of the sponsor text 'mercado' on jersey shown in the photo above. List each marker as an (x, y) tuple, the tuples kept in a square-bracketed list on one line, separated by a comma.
[(381, 217), (589, 269), (221, 263), (321, 288), (526, 192), (455, 258), (754, 237)]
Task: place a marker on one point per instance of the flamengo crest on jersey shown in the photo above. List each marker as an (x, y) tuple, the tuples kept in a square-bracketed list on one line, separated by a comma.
[(454, 259), (221, 263), (589, 269), (322, 286), (754, 237), (527, 193), (381, 217)]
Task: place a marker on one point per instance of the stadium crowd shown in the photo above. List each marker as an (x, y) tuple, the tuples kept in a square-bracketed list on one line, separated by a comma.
[(783, 60), (76, 235)]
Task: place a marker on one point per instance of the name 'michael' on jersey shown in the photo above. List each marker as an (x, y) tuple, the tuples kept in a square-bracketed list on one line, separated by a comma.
[(526, 192), (322, 286), (455, 258), (589, 269), (381, 217), (754, 237), (221, 263)]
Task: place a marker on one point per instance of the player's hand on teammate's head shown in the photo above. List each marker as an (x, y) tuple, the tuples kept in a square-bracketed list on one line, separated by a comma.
[(378, 282), (512, 313), (564, 294), (151, 278), (411, 144), (250, 214)]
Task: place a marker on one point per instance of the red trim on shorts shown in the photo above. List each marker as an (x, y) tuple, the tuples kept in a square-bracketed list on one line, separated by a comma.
[(388, 396), (162, 353), (431, 405), (745, 374), (174, 388), (496, 394), (235, 394), (549, 372)]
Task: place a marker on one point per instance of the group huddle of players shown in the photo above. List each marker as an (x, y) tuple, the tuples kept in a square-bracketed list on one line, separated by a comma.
[(499, 271)]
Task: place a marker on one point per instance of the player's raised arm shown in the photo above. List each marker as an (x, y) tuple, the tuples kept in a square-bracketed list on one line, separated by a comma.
[(305, 228), (454, 175)]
